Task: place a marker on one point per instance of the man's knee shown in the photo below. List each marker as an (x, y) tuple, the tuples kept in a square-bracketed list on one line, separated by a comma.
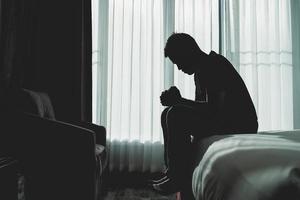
[(164, 113), (177, 113)]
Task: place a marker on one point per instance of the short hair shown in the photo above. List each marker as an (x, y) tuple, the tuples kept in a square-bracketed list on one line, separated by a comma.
[(180, 42)]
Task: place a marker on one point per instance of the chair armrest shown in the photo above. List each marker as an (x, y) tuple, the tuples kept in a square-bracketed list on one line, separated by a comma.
[(59, 158), (100, 131)]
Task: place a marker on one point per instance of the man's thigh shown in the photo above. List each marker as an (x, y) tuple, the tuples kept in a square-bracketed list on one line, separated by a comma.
[(192, 121)]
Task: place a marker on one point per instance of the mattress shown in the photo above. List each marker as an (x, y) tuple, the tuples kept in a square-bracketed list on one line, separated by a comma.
[(264, 166)]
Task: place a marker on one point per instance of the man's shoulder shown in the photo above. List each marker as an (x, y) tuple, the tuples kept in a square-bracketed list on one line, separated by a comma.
[(218, 57), (214, 54)]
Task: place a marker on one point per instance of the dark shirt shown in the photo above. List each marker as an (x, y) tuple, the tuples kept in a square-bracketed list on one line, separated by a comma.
[(237, 112)]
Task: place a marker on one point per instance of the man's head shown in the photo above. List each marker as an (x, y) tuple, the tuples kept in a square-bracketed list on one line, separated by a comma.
[(183, 50)]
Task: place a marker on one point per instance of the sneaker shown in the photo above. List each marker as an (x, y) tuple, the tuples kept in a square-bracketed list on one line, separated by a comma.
[(166, 187), (159, 178)]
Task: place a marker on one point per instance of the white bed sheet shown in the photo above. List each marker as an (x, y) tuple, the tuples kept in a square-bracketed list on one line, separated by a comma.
[(260, 166)]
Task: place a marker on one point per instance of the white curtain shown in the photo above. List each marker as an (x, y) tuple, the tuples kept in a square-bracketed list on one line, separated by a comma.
[(130, 71), (134, 69), (256, 37), (200, 19), (295, 6)]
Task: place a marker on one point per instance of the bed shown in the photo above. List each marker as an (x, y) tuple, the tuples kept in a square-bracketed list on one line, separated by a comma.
[(263, 166)]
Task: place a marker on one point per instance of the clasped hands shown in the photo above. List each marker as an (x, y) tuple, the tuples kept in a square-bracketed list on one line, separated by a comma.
[(170, 97)]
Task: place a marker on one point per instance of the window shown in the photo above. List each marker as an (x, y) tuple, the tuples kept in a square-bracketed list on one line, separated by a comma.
[(130, 71)]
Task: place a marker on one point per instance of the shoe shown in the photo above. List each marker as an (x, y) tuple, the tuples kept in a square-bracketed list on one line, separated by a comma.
[(159, 178), (166, 187)]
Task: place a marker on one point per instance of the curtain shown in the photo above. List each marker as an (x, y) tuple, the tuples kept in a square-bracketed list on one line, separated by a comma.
[(63, 58), (127, 101), (256, 37), (8, 21), (295, 5), (86, 61), (130, 71), (200, 19), (17, 40)]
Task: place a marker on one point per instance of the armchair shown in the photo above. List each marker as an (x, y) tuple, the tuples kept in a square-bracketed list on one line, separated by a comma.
[(59, 160)]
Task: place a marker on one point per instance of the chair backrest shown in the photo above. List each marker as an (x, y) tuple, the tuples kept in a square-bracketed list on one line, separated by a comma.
[(42, 102), (28, 101)]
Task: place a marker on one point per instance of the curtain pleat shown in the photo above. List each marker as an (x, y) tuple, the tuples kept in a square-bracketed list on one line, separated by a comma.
[(128, 50), (18, 33), (257, 40), (200, 19), (295, 15), (130, 71), (134, 67)]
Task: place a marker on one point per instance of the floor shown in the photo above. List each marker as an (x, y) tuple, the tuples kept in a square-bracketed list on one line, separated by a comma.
[(119, 188), (133, 186), (136, 194)]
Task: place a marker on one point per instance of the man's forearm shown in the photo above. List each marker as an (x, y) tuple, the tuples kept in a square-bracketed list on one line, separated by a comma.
[(197, 105)]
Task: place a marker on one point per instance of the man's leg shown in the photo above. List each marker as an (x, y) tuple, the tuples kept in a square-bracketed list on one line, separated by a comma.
[(162, 176), (180, 121), (163, 120), (177, 128)]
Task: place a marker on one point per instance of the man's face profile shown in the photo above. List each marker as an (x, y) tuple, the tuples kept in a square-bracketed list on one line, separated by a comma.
[(183, 64)]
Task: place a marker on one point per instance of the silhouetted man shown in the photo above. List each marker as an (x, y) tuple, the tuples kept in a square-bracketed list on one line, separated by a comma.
[(222, 105)]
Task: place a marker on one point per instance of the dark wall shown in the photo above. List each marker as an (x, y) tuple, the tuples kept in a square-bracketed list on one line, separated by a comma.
[(49, 50), (58, 64)]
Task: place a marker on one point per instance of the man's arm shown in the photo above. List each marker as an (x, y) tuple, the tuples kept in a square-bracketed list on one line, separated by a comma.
[(197, 105), (210, 108), (214, 103)]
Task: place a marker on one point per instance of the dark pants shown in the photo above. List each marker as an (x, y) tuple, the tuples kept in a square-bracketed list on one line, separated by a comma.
[(179, 123)]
